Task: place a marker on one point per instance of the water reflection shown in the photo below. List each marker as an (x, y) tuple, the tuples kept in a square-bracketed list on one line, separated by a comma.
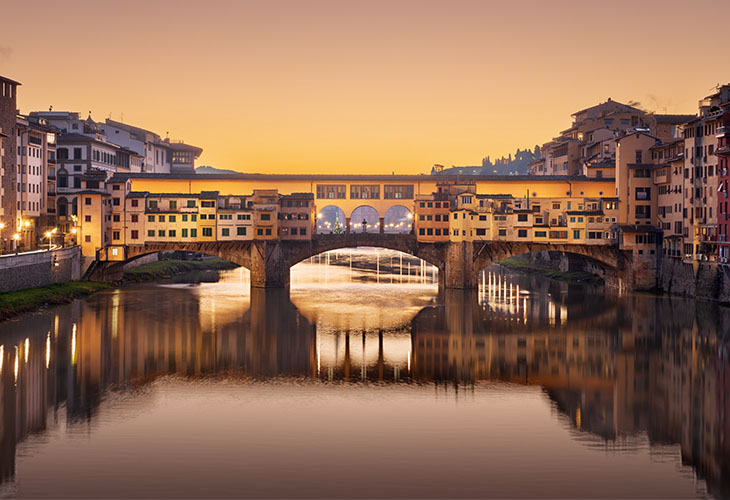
[(622, 374)]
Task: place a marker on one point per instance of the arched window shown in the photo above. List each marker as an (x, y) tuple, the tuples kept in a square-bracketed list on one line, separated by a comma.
[(62, 179), (62, 206)]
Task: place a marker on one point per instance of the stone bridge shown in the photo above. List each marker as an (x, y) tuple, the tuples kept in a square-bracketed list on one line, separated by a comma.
[(459, 263)]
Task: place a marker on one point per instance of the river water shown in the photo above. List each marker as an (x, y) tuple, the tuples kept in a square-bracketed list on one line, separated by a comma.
[(359, 385)]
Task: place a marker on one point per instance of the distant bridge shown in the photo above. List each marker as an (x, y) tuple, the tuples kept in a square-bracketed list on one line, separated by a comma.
[(459, 263)]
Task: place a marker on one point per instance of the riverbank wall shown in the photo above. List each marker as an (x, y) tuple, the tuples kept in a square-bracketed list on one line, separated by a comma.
[(700, 280), (34, 269)]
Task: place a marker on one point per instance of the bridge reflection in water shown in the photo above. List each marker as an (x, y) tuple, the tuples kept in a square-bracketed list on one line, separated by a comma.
[(618, 370)]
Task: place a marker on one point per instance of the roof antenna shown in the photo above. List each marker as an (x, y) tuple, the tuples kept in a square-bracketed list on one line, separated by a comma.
[(50, 108)]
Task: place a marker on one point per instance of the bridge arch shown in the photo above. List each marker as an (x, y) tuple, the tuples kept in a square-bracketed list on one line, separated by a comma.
[(607, 262), (406, 243), (398, 219), (365, 218)]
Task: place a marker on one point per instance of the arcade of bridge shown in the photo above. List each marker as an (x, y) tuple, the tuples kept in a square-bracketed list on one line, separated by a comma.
[(517, 186)]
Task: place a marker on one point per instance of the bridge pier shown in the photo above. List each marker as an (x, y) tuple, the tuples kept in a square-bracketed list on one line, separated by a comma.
[(459, 270), (347, 225), (268, 267)]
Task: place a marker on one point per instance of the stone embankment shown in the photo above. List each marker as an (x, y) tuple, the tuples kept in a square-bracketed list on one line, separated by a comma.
[(34, 269), (700, 280)]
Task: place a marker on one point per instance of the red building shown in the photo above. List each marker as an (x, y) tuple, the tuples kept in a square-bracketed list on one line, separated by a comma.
[(723, 181)]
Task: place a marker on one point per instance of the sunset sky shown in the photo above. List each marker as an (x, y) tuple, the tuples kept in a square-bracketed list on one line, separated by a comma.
[(373, 86)]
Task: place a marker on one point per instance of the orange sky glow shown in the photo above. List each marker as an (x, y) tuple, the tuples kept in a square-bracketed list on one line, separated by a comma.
[(358, 87)]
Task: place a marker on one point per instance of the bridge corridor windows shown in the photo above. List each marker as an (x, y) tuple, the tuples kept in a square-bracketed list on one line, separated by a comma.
[(365, 191), (331, 191), (398, 192)]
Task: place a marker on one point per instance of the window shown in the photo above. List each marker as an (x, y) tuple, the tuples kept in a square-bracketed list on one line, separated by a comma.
[(265, 216), (302, 231), (268, 232), (466, 200), (260, 232), (87, 218), (522, 217), (152, 204), (522, 233), (115, 217), (241, 231), (151, 233), (162, 218), (161, 232), (365, 192), (559, 234), (398, 192), (207, 204), (87, 239), (191, 203), (115, 235), (87, 201), (193, 217), (150, 218), (643, 193), (134, 203), (208, 231), (184, 232), (77, 153), (225, 231), (502, 232), (173, 204), (331, 191), (643, 212), (243, 216), (576, 234), (481, 231), (203, 216), (193, 233), (116, 202), (421, 232), (173, 218), (134, 234), (540, 234)]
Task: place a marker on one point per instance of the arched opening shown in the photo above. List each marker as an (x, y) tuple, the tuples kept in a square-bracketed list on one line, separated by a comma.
[(545, 286), (62, 206), (398, 220), (363, 289), (331, 220), (365, 219), (364, 265)]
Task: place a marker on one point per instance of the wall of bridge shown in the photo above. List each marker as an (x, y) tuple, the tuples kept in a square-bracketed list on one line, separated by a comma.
[(517, 186), (459, 263)]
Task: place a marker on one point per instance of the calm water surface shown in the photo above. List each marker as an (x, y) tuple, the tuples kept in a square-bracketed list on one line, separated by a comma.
[(366, 385)]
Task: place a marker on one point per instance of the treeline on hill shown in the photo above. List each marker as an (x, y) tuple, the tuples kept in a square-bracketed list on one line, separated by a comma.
[(519, 164)]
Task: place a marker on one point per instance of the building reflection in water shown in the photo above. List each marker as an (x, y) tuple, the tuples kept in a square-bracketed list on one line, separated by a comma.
[(620, 370)]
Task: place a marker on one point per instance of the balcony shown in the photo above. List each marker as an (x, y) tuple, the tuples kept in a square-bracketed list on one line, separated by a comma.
[(722, 131)]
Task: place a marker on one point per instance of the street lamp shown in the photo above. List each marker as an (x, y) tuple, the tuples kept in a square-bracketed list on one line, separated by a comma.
[(16, 237)]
